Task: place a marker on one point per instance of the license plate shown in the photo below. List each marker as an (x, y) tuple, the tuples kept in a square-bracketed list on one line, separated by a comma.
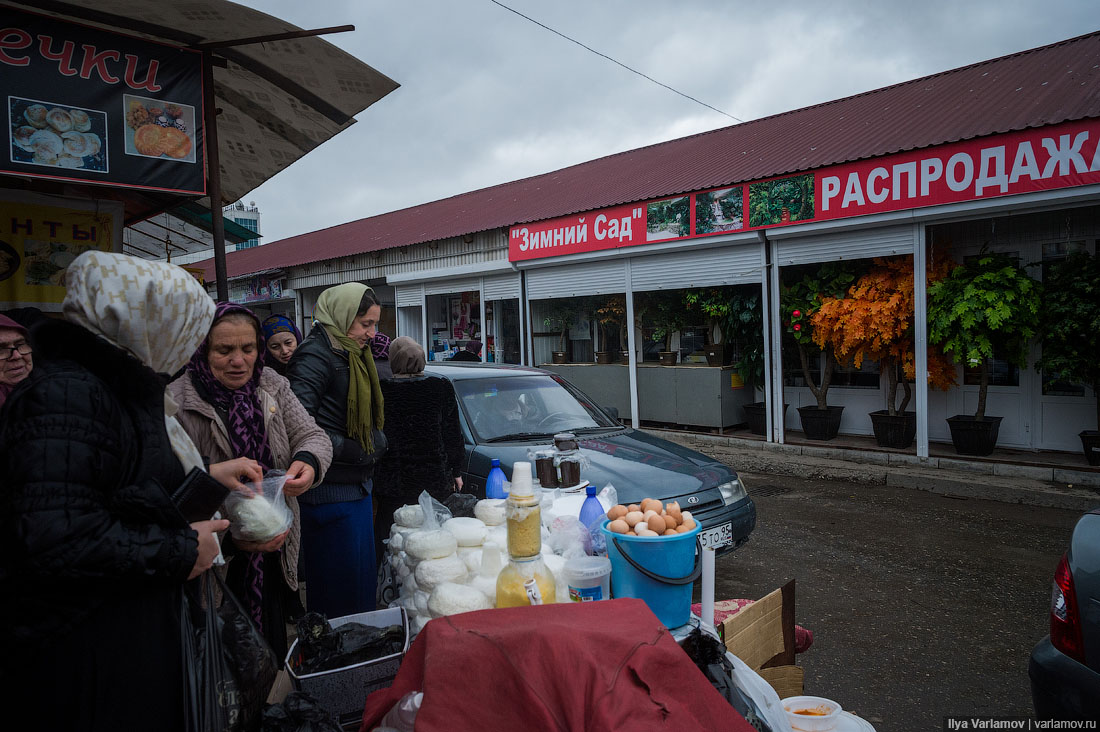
[(717, 537)]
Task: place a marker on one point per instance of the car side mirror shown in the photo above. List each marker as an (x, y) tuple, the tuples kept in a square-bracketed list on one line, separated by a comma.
[(612, 412)]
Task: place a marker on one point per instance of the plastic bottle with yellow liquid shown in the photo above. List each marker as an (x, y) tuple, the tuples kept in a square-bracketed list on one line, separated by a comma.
[(525, 580)]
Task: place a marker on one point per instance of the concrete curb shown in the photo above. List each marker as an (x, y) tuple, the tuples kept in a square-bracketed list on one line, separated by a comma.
[(1052, 487)]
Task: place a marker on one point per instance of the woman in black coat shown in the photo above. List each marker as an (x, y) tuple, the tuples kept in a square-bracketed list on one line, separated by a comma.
[(426, 450), (94, 553)]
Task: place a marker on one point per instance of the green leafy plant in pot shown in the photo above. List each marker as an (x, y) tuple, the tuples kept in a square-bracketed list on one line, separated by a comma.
[(1071, 338), (987, 305), (611, 315), (664, 311), (738, 314), (799, 302), (875, 321), (562, 316)]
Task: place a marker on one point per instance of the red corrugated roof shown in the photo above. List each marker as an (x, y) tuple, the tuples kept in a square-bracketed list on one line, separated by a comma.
[(1042, 86)]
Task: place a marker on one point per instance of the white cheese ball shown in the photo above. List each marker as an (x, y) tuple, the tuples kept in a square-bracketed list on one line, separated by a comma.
[(451, 599), (433, 572), (435, 544)]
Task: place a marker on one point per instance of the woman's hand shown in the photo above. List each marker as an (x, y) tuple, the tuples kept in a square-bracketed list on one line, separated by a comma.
[(458, 485), (267, 546), (299, 478), (208, 544), (239, 474)]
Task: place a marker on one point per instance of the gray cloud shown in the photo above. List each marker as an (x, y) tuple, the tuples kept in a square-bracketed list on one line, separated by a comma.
[(488, 97)]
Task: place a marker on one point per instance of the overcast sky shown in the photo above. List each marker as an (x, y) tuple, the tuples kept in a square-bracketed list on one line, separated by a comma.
[(488, 97)]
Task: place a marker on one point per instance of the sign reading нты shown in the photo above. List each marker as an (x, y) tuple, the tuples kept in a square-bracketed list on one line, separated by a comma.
[(92, 106), (1059, 156)]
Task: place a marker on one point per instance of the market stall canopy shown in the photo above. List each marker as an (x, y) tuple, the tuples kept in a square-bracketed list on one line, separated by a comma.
[(185, 229), (277, 100)]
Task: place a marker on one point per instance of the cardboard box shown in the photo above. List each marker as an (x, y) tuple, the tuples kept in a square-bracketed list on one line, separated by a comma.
[(343, 692)]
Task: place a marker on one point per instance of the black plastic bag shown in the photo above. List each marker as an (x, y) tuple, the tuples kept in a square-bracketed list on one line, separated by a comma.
[(461, 504), (250, 657), (322, 647), (299, 712), (210, 689)]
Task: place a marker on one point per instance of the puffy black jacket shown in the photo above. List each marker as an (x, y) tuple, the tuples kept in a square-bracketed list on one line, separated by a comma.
[(426, 449), (87, 468), (319, 376)]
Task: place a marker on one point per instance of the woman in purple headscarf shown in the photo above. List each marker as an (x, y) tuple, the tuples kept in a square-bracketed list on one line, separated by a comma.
[(281, 339), (231, 406)]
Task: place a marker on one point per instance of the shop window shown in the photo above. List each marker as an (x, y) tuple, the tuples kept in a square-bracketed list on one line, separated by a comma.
[(693, 342), (792, 366), (1001, 373), (502, 343), (865, 377)]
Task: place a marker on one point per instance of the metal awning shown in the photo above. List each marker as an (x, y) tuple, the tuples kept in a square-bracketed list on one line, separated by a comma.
[(278, 100)]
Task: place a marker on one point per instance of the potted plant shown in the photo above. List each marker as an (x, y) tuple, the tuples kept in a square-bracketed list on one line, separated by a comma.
[(1071, 339), (738, 314), (799, 302), (611, 316), (562, 315), (987, 305), (875, 320), (664, 310)]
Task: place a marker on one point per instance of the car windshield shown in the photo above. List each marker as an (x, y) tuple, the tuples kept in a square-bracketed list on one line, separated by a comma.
[(526, 407)]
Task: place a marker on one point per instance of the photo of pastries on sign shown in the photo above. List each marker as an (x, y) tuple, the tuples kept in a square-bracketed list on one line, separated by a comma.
[(159, 129), (57, 135), (46, 261), (9, 261)]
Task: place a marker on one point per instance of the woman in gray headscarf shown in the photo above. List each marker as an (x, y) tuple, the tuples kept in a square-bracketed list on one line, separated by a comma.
[(426, 450), (94, 553)]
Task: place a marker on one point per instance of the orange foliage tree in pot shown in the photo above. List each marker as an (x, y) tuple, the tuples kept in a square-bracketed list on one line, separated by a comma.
[(808, 288), (875, 320)]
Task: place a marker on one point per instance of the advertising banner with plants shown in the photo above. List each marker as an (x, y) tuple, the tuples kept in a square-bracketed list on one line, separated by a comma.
[(38, 241), (91, 106), (1059, 156)]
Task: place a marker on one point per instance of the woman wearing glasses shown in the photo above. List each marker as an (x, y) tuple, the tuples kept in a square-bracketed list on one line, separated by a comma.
[(15, 356)]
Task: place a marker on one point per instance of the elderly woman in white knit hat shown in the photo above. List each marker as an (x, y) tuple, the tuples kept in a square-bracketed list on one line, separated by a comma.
[(95, 553)]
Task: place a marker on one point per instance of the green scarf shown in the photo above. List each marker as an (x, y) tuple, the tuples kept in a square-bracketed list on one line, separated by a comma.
[(335, 310)]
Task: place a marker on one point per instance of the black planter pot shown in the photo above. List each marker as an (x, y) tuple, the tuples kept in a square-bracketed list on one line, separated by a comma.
[(894, 431), (719, 355), (605, 356), (1090, 443), (625, 357), (756, 417), (668, 358), (820, 424), (559, 357), (972, 436)]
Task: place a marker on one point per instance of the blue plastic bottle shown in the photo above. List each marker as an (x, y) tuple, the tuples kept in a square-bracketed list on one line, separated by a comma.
[(494, 485), (591, 510)]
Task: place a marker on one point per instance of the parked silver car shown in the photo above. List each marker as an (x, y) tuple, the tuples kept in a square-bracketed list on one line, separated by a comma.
[(1065, 665)]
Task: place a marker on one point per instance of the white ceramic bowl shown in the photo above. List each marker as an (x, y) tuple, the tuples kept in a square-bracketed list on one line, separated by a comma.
[(826, 717)]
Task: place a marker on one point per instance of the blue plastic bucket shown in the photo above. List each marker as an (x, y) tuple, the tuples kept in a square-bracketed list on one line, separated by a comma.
[(657, 569)]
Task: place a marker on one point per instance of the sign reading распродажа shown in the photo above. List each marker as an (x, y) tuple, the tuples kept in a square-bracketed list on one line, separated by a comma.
[(91, 106)]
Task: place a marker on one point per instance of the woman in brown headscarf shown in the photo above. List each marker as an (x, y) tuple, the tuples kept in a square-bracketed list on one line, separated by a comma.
[(426, 450)]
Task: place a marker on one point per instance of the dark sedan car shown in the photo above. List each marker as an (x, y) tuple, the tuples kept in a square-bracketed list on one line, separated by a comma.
[(1065, 665), (508, 412)]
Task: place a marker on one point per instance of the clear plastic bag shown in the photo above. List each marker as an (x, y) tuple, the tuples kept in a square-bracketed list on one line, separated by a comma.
[(262, 515), (435, 513)]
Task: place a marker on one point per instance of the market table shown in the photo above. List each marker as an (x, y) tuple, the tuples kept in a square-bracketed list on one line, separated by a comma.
[(579, 666)]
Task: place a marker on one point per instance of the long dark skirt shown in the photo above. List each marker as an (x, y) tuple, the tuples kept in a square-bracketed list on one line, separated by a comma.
[(276, 603), (121, 669)]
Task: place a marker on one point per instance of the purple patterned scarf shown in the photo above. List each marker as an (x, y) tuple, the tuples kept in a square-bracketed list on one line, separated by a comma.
[(247, 432), (380, 346)]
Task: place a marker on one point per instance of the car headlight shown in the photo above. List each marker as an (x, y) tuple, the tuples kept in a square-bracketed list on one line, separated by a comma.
[(733, 491)]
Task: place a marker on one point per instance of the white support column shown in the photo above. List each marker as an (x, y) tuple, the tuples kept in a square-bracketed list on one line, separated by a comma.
[(424, 329), (484, 333), (774, 321), (766, 312), (632, 367), (920, 332)]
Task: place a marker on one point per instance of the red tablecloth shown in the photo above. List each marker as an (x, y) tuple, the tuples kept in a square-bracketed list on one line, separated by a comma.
[(591, 666)]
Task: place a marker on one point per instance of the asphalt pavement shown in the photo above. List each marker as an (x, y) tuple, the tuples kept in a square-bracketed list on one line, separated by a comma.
[(921, 604)]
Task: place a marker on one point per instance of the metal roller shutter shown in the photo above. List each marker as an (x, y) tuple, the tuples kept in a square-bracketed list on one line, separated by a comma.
[(408, 295), (590, 278), (880, 242), (446, 287), (731, 265), (501, 287)]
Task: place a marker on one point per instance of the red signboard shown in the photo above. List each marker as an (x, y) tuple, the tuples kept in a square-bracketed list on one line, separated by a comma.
[(1060, 156)]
